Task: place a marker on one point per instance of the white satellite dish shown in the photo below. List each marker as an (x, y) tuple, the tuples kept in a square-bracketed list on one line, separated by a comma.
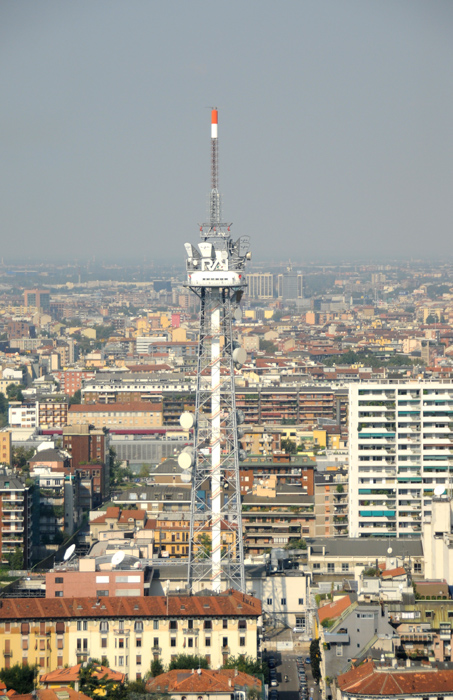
[(69, 552), (237, 314), (390, 550), (137, 565), (187, 420), (439, 490), (117, 558)]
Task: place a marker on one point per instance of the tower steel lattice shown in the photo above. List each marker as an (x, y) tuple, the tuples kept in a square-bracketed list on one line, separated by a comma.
[(216, 275)]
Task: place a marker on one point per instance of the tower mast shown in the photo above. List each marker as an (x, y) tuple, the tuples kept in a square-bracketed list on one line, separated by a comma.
[(215, 273)]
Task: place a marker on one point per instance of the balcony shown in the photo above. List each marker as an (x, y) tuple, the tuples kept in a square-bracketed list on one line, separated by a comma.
[(193, 632), (124, 633)]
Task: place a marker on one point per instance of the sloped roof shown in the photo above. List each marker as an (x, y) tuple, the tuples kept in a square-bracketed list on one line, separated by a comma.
[(202, 681), (71, 675), (369, 680), (333, 610), (231, 603)]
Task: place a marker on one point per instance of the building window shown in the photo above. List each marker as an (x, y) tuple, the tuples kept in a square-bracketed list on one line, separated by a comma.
[(190, 642), (330, 567), (190, 624), (120, 660), (283, 601), (59, 579), (58, 594), (156, 642), (428, 613), (102, 594), (138, 627), (138, 642), (316, 566), (417, 567), (345, 567), (138, 660), (269, 601), (104, 642), (242, 641), (104, 626), (225, 624), (121, 643), (173, 624), (207, 625), (224, 641), (155, 624), (172, 641), (301, 601), (207, 642), (82, 625)]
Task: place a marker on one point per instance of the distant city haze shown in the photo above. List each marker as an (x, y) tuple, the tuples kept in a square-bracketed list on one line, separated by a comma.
[(335, 127)]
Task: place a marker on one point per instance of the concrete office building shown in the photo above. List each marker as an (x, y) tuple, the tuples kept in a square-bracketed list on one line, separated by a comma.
[(260, 285), (401, 437)]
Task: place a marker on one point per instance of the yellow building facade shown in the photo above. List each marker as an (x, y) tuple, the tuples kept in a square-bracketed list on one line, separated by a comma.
[(128, 632)]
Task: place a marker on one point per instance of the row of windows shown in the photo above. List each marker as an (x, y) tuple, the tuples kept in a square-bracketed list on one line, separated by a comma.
[(283, 601)]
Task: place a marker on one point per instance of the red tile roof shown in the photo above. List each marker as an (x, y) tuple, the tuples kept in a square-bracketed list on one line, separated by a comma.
[(51, 694), (393, 573), (231, 603), (368, 680), (333, 610), (71, 675), (203, 681)]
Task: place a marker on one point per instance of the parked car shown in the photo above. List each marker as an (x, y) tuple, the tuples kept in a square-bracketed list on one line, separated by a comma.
[(308, 660), (274, 681), (273, 695)]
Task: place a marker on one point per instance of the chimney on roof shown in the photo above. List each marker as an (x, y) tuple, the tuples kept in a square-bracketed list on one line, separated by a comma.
[(236, 672), (229, 682)]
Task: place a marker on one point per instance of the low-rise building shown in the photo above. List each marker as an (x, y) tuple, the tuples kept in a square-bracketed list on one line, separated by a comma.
[(206, 683)]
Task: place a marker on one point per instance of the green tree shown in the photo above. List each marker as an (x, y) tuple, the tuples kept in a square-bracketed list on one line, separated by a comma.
[(19, 678), (76, 398), (268, 346), (144, 471), (315, 656), (431, 319), (21, 456), (340, 488), (206, 545), (296, 544), (188, 661), (16, 560), (3, 410), (14, 392), (289, 446), (91, 685), (247, 664), (156, 668)]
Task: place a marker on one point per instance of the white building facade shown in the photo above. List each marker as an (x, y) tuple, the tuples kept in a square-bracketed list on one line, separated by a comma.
[(400, 450)]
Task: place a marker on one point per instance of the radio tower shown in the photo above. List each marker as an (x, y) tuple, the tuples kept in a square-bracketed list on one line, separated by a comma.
[(215, 272)]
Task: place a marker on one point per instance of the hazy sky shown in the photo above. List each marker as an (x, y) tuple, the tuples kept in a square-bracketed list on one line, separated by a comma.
[(335, 126)]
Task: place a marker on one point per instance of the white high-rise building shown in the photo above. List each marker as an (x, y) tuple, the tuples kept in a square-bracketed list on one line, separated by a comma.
[(400, 450)]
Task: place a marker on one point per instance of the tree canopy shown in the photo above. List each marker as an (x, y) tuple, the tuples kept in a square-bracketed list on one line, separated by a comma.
[(19, 678)]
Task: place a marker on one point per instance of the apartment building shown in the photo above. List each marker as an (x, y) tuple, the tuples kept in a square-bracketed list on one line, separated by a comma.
[(132, 415), (129, 631), (71, 380), (400, 455), (15, 517), (38, 298), (331, 503), (53, 413), (23, 415)]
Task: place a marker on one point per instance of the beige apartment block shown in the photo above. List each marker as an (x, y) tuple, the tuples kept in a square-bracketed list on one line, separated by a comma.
[(138, 414)]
